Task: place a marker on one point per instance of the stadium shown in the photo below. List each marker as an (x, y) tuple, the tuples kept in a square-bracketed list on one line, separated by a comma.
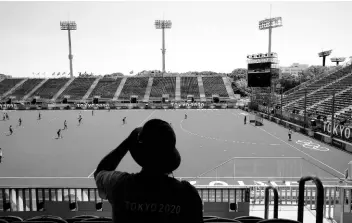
[(235, 142)]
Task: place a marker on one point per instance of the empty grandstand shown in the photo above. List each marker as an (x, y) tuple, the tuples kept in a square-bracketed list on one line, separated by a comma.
[(8, 84), (189, 86), (25, 88), (50, 88), (134, 86), (162, 86), (315, 85), (77, 89), (214, 85), (106, 88)]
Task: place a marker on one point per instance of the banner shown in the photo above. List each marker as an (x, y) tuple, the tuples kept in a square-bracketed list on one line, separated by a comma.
[(340, 131)]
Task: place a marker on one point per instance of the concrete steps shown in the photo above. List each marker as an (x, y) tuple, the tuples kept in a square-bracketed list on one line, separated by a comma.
[(148, 90), (119, 89), (229, 88), (35, 88), (201, 89), (91, 88), (14, 88), (178, 89), (62, 89)]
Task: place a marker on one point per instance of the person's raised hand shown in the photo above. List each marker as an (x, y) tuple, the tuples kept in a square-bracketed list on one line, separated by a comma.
[(133, 137)]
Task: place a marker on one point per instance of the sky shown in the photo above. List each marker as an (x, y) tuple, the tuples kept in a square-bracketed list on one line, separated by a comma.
[(205, 36)]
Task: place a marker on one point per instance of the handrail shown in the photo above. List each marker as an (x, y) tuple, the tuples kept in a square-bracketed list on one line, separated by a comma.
[(320, 198), (266, 202)]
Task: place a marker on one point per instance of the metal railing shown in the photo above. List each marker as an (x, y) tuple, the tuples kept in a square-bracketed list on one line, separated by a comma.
[(331, 197)]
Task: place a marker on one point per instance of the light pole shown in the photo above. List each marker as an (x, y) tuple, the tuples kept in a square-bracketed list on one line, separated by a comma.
[(270, 24), (69, 25), (163, 24), (324, 54), (337, 60)]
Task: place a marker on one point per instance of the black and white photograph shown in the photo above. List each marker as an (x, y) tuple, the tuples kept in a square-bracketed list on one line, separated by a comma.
[(175, 111)]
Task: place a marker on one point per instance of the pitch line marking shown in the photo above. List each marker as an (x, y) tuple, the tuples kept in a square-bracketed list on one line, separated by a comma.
[(223, 140), (92, 173), (301, 151)]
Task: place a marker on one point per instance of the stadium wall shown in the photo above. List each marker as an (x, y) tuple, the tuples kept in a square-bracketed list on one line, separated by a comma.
[(106, 106)]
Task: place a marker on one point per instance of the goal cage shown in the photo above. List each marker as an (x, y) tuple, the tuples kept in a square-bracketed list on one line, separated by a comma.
[(255, 119)]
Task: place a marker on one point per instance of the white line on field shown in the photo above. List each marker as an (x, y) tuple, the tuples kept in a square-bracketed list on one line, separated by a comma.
[(92, 173), (301, 151)]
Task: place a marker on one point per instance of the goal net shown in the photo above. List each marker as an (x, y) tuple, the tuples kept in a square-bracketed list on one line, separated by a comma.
[(255, 119)]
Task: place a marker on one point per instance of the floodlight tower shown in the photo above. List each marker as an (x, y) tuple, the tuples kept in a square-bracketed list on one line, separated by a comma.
[(337, 60), (324, 54), (69, 25), (163, 24), (270, 24)]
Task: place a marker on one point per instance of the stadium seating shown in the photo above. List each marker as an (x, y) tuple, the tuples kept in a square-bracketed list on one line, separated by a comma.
[(78, 88), (341, 101), (189, 86), (323, 93), (163, 85), (316, 85), (25, 88), (11, 219), (220, 220), (134, 86), (278, 220), (50, 88), (85, 217), (214, 85), (7, 84), (249, 219), (106, 88), (101, 219)]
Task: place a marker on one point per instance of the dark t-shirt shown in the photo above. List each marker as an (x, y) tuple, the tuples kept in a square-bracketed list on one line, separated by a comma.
[(146, 197)]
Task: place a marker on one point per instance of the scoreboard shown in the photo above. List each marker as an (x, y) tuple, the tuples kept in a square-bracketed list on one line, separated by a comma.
[(262, 70)]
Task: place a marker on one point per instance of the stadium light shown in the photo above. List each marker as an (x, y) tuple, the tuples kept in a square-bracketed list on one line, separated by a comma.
[(69, 25), (337, 60), (324, 54), (163, 24), (270, 24)]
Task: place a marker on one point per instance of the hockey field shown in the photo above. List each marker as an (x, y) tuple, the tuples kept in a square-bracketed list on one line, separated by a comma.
[(216, 147)]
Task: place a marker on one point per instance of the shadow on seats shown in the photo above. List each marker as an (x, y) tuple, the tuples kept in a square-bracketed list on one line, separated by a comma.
[(220, 220), (101, 219), (85, 217), (278, 220), (249, 219), (38, 221), (45, 218), (80, 218), (10, 219), (208, 217)]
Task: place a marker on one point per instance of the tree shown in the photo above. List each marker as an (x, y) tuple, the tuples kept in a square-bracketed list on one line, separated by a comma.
[(317, 71), (239, 73), (288, 81)]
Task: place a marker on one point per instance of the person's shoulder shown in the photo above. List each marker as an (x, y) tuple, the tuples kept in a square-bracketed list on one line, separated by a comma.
[(187, 188)]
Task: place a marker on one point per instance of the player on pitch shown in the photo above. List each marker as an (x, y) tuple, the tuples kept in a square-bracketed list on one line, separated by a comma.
[(289, 134)]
